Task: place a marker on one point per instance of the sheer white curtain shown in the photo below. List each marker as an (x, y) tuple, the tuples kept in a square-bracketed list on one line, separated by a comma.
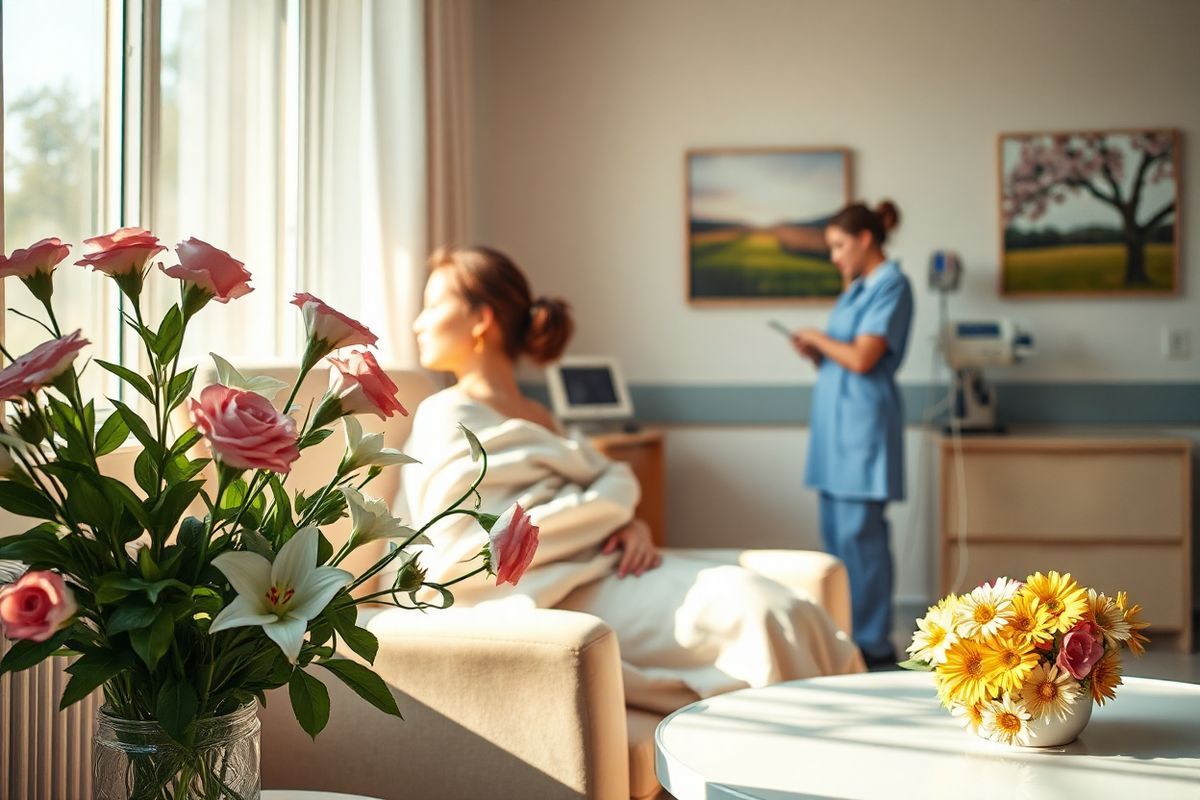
[(449, 46), (362, 215)]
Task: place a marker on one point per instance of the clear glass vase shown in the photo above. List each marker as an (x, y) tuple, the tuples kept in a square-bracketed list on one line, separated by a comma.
[(137, 760)]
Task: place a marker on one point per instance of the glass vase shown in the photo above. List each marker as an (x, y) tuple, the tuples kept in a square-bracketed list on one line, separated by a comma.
[(137, 760)]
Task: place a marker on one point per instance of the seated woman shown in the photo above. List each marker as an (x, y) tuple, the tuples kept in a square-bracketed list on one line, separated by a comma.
[(687, 627)]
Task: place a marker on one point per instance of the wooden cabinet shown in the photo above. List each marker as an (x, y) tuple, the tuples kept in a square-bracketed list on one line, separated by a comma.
[(643, 451), (1114, 512)]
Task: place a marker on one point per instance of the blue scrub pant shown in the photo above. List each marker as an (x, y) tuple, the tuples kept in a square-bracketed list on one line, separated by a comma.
[(857, 532)]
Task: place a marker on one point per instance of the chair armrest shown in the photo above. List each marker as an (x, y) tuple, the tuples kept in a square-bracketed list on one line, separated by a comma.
[(524, 703), (816, 575)]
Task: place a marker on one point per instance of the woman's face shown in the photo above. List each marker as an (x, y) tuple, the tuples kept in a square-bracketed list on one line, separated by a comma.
[(847, 251), (445, 327)]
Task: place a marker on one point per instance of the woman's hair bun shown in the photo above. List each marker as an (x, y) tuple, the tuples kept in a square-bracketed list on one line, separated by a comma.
[(888, 214), (550, 328)]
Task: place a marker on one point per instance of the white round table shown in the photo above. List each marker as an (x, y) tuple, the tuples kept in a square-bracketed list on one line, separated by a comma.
[(290, 794), (884, 735)]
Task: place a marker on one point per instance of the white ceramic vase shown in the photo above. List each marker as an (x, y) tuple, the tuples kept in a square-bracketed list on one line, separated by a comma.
[(1054, 732)]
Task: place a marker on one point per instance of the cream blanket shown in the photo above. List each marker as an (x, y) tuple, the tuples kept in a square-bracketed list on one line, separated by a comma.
[(690, 628)]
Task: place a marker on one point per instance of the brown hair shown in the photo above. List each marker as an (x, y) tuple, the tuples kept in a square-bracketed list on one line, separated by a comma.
[(539, 328), (856, 218)]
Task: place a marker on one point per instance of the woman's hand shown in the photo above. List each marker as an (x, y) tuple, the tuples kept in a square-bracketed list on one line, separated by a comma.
[(802, 340), (638, 552)]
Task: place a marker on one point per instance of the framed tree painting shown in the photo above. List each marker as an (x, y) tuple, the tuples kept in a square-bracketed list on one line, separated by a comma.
[(1089, 213), (756, 223)]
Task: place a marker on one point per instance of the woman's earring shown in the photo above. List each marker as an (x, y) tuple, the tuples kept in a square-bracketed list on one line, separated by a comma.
[(479, 344)]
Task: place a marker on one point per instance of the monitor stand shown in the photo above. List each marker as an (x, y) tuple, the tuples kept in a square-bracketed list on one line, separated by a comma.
[(598, 427)]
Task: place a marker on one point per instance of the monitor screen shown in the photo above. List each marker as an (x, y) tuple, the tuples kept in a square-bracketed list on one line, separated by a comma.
[(589, 386)]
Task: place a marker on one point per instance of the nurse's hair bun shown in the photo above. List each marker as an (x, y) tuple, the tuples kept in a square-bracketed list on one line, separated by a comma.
[(889, 215)]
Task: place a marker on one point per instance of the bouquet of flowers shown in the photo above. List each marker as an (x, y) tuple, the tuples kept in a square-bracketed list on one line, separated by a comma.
[(184, 598), (1011, 657)]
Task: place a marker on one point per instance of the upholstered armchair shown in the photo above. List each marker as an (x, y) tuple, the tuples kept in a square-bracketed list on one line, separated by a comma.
[(519, 705)]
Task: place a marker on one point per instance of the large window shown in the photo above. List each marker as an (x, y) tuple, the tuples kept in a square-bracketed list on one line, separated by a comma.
[(294, 144), (56, 98)]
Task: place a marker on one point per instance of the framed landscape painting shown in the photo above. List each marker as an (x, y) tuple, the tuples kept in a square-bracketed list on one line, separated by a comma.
[(756, 223), (1089, 213)]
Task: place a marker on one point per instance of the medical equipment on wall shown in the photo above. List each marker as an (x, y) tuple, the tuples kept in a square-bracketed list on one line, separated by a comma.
[(969, 348)]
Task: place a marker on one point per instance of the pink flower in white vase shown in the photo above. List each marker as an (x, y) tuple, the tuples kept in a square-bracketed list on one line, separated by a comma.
[(41, 257), (125, 251), (362, 387), (40, 366), (210, 269)]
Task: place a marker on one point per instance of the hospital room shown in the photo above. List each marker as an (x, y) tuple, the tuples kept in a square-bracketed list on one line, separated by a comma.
[(599, 399)]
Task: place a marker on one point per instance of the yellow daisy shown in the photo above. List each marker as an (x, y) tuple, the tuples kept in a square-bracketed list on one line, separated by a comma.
[(1109, 618), (963, 676), (969, 714), (985, 611), (1048, 691), (1064, 600), (1137, 642), (934, 635), (1007, 721), (1105, 677), (1009, 661), (1030, 622)]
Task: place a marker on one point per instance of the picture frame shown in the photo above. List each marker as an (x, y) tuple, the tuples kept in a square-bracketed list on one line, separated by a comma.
[(1093, 213), (755, 223)]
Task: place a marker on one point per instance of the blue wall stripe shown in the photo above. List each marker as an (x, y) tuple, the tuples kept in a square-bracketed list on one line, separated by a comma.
[(1019, 403)]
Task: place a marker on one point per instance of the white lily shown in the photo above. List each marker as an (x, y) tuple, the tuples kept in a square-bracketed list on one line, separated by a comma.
[(228, 375), (365, 450), (370, 520), (281, 597)]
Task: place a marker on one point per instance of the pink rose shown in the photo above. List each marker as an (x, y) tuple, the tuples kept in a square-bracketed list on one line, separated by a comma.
[(244, 430), (511, 544), (40, 366), (123, 252), (42, 256), (1081, 648), (362, 387), (330, 326), (212, 269), (37, 606)]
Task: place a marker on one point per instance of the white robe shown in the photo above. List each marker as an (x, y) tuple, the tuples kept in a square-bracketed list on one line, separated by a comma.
[(690, 628)]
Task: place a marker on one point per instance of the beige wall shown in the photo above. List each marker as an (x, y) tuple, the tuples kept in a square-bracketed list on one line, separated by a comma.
[(584, 111)]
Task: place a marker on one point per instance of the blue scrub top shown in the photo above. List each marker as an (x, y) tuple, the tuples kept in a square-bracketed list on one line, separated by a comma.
[(856, 440)]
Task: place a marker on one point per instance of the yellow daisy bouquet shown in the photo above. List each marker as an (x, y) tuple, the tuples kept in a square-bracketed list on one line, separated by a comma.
[(1014, 659)]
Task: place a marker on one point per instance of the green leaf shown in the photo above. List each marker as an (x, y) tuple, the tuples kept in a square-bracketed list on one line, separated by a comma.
[(176, 708), (138, 427), (131, 617), (185, 441), (145, 472), (315, 437), (172, 504), (86, 503), (91, 671), (473, 440), (112, 434), (24, 501), (360, 640), (170, 335), (120, 494), (25, 653), (281, 518), (67, 425), (486, 521), (140, 384), (181, 468), (915, 665), (180, 387), (151, 643), (35, 546), (310, 702), (365, 683)]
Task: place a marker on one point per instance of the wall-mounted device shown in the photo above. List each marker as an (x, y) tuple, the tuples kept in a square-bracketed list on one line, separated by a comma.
[(968, 348)]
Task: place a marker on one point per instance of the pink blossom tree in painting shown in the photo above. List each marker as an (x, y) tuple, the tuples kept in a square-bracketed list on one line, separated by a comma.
[(1049, 170)]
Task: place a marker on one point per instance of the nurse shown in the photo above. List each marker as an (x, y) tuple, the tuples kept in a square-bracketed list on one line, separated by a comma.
[(856, 450)]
